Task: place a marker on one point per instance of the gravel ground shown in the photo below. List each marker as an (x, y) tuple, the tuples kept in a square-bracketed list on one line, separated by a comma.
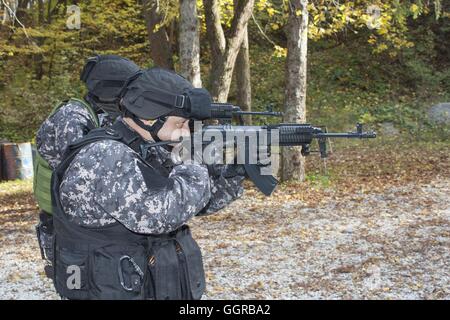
[(388, 245)]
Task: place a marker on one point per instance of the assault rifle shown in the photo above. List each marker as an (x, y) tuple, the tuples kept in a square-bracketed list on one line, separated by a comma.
[(250, 139)]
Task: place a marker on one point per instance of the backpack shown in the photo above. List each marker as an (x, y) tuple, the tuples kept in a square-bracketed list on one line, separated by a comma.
[(42, 170)]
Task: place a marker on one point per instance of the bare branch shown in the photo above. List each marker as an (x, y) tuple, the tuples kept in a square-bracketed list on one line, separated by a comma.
[(262, 31)]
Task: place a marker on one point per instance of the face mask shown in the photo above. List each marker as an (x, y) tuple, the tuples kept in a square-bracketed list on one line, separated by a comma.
[(108, 107)]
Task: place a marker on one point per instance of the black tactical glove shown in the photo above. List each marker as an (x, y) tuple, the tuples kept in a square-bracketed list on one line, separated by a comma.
[(233, 170), (226, 170)]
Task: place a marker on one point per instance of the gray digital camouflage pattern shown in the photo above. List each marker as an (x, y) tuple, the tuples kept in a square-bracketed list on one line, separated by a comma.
[(104, 184), (223, 191), (68, 124)]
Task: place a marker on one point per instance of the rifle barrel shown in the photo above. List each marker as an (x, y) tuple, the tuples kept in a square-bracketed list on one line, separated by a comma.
[(258, 113), (346, 135)]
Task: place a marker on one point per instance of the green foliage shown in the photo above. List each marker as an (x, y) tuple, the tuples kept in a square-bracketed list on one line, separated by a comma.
[(26, 101), (36, 73), (319, 179), (387, 20), (347, 82)]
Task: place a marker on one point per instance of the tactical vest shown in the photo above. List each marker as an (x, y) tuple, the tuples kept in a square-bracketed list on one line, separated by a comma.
[(42, 170), (112, 262)]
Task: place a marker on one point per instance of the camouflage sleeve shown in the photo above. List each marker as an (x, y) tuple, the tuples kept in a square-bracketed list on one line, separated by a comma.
[(144, 201), (106, 119), (161, 155), (68, 124), (223, 190)]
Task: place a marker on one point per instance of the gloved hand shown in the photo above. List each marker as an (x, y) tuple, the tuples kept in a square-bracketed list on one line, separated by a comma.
[(233, 170), (226, 170)]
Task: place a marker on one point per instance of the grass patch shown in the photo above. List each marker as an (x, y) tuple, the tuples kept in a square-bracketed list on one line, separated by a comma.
[(318, 179), (16, 186)]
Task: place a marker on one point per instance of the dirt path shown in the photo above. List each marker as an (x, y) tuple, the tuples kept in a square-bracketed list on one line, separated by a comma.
[(394, 245)]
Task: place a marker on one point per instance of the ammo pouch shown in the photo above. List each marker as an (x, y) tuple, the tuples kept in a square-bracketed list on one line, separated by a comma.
[(44, 233), (175, 267), (45, 237)]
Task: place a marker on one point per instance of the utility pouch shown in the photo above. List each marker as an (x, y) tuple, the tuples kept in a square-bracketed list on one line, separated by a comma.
[(118, 272), (45, 234), (176, 268), (194, 264), (71, 270), (164, 270), (45, 239)]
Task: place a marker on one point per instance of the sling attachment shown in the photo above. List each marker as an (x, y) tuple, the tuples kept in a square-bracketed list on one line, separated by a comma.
[(135, 279), (144, 148)]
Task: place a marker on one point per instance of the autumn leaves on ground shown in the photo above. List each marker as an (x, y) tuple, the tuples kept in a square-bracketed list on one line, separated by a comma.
[(376, 226)]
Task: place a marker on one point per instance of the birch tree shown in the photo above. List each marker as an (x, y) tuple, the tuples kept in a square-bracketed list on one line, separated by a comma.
[(243, 78), (189, 42), (293, 163)]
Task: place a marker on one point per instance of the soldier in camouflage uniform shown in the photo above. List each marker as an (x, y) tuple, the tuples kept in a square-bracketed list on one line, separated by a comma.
[(109, 186), (69, 123), (71, 120), (108, 182)]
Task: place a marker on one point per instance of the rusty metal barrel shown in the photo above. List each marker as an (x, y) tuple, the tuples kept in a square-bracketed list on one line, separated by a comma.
[(17, 161)]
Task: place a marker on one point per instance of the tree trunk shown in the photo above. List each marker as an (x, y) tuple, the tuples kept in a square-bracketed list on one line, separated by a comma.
[(224, 51), (7, 15), (38, 57), (21, 10), (293, 163), (243, 79), (189, 42), (160, 46), (40, 12)]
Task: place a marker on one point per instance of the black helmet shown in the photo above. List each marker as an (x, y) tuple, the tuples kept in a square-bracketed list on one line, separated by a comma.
[(104, 76), (156, 92)]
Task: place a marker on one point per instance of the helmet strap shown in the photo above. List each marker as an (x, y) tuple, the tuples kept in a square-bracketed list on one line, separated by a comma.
[(153, 129)]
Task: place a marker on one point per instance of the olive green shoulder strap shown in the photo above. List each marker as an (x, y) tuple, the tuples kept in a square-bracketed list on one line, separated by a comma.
[(91, 110), (88, 107)]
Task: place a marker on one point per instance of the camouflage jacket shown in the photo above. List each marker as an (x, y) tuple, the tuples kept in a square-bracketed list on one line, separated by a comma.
[(223, 190), (68, 124), (107, 182)]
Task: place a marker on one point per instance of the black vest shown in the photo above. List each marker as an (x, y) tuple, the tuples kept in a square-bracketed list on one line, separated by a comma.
[(113, 262)]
